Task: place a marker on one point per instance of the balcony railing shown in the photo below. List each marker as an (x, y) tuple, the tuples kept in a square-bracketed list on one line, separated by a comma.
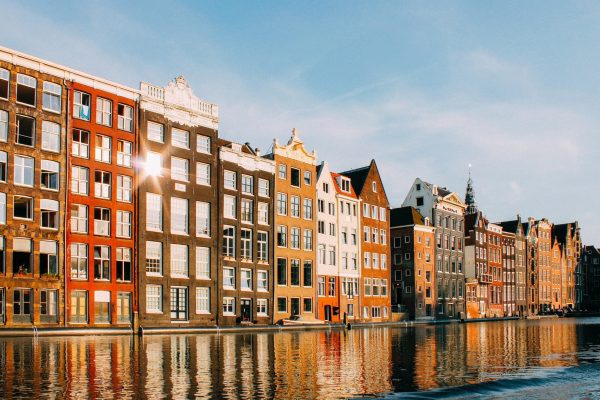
[(195, 104)]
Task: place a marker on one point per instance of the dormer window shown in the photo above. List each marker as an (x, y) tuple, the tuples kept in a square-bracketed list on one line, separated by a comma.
[(345, 185)]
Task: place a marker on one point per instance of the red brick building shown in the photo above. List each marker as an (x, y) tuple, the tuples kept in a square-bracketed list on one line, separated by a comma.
[(494, 253), (101, 201)]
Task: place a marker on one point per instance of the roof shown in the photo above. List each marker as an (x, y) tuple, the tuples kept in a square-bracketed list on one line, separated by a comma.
[(358, 177), (470, 221), (403, 216), (509, 226), (352, 193)]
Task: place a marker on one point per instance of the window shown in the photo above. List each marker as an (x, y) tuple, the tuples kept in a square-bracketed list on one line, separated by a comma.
[(79, 261), (125, 118), (331, 287), (102, 184), (419, 201), (263, 187), (123, 264), (374, 186), (202, 300), (23, 207), (202, 144), (179, 303), (23, 171), (123, 224), (263, 213), (321, 286), (332, 258), (247, 184), (247, 210), (124, 153), (229, 241), (229, 180), (295, 181), (156, 132), (366, 210), (79, 306), (22, 256), (50, 136), (261, 307), (228, 277), (26, 88), (295, 238), (154, 258), (374, 212), (102, 263), (367, 260), (48, 305), (229, 207), (246, 244), (101, 221), (281, 271), (4, 84), (345, 185), (103, 111), (295, 272), (179, 169), (307, 178), (308, 271), (282, 171), (48, 257), (308, 208), (282, 236), (49, 213), (382, 214), (295, 206), (282, 203), (154, 164), (246, 279), (79, 218), (202, 219), (51, 98), (180, 138), (3, 125), (153, 212), (80, 145), (367, 234), (179, 216), (124, 188), (81, 105), (281, 305), (308, 239), (49, 175), (179, 260), (262, 281), (308, 305), (154, 298), (228, 306), (202, 263), (202, 174), (123, 307)]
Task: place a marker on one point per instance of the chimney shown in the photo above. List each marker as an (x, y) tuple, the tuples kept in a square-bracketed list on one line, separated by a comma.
[(257, 151)]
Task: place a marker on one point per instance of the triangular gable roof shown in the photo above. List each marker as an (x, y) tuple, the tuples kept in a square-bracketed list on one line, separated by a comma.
[(452, 197), (359, 177)]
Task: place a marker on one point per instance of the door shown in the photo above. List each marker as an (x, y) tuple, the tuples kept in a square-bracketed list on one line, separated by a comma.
[(295, 306), (246, 310), (327, 313)]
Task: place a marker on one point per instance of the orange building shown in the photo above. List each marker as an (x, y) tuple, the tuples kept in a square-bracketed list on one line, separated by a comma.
[(557, 266), (544, 270), (375, 274), (494, 254), (295, 227)]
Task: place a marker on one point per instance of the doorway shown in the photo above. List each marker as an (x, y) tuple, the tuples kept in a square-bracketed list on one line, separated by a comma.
[(246, 310)]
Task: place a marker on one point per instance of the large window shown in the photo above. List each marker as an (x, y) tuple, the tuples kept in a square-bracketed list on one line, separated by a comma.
[(247, 210), (124, 153), (153, 212), (202, 174), (22, 307), (2, 209), (124, 188), (229, 206), (102, 263), (202, 144), (3, 166), (282, 203), (24, 167), (123, 307), (263, 187), (202, 300), (308, 274), (49, 212), (102, 307), (80, 146), (282, 236), (262, 242), (263, 213), (179, 216), (295, 206), (245, 279), (282, 271), (308, 208), (79, 312), (125, 117), (4, 84), (80, 177), (103, 111), (48, 257), (295, 238), (153, 298), (79, 261), (295, 272), (103, 149), (3, 126), (229, 180), (180, 168), (228, 277), (26, 88), (229, 241), (50, 136), (154, 258), (22, 256), (81, 105), (102, 221), (180, 138), (308, 239), (179, 260), (51, 99), (202, 263), (228, 306), (123, 224), (295, 173), (262, 281), (48, 305), (23, 207), (156, 132), (102, 184), (202, 218), (246, 244), (49, 175), (247, 184)]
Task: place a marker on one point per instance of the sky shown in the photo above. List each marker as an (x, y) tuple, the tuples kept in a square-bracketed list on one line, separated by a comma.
[(424, 88)]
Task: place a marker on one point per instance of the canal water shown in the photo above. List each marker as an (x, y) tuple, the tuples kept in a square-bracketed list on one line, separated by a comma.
[(544, 359)]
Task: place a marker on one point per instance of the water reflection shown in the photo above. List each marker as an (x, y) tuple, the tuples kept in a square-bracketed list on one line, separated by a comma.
[(324, 364)]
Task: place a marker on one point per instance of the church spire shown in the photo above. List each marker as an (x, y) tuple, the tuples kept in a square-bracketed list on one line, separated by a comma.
[(470, 196)]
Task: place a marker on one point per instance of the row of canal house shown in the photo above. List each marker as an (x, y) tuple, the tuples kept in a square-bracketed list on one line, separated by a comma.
[(124, 208)]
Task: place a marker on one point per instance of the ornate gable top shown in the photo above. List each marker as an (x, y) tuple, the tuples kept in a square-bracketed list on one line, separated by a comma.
[(295, 149)]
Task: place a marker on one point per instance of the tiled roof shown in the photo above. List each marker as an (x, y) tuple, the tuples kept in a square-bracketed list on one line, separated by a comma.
[(405, 216), (352, 193)]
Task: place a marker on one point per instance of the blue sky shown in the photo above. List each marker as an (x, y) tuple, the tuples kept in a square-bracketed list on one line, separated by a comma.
[(425, 88)]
